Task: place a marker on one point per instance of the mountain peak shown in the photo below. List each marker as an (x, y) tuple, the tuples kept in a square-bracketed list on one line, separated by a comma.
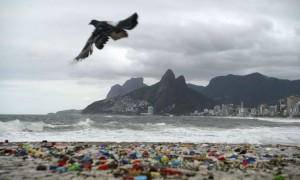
[(181, 81), (256, 73), (168, 76), (130, 85), (138, 80)]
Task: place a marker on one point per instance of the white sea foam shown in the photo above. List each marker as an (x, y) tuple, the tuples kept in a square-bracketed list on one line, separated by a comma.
[(87, 122), (261, 135), (17, 125), (281, 120), (154, 124), (148, 131), (160, 124)]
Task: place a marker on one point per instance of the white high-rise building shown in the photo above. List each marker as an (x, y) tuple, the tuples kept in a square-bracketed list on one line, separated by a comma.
[(261, 110), (273, 110), (225, 110), (150, 110), (296, 110), (253, 112), (243, 111)]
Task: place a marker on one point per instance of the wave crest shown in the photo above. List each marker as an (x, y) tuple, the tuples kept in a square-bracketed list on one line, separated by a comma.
[(17, 126)]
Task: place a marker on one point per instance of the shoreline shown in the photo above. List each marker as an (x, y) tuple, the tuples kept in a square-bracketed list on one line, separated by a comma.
[(150, 160), (153, 142)]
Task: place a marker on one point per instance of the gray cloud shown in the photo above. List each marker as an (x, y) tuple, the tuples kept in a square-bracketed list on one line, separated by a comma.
[(198, 39)]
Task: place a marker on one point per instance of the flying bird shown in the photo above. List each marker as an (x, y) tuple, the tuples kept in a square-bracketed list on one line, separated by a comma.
[(105, 30)]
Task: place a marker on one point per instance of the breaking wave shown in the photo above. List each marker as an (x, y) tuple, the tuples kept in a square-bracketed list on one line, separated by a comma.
[(153, 129), (87, 122), (20, 126), (17, 125)]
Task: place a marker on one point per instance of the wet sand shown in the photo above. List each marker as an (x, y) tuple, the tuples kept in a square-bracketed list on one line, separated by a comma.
[(145, 160)]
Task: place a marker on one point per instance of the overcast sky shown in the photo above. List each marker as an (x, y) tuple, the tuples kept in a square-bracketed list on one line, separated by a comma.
[(197, 39)]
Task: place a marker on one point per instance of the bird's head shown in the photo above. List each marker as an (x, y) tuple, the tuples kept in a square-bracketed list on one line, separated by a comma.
[(94, 22)]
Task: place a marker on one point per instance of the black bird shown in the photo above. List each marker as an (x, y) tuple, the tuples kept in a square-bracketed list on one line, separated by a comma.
[(104, 30)]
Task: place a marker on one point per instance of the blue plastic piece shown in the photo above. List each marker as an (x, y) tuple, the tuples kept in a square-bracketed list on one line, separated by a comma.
[(104, 153), (233, 156), (176, 163), (22, 152), (133, 155), (267, 156), (124, 161), (53, 168), (159, 157), (86, 157), (250, 160), (192, 152), (140, 178), (61, 169)]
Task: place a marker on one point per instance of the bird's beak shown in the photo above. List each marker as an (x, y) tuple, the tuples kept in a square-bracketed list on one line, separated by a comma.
[(90, 23)]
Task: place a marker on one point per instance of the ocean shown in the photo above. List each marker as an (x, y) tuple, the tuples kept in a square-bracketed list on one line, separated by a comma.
[(118, 128)]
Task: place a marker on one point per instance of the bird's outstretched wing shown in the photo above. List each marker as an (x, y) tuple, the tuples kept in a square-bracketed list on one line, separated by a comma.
[(128, 23), (99, 37), (100, 40)]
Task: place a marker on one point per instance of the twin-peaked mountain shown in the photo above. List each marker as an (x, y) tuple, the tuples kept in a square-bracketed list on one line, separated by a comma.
[(172, 95), (169, 96)]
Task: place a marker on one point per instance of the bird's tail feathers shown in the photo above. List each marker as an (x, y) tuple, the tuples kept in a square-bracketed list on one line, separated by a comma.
[(118, 34)]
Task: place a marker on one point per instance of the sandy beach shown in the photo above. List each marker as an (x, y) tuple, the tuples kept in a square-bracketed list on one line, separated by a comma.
[(134, 160)]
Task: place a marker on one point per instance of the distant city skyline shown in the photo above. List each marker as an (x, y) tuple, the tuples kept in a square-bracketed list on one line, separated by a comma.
[(197, 39), (286, 107)]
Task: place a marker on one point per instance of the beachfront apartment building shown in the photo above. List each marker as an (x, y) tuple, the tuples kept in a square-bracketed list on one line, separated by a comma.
[(295, 111), (292, 101), (292, 104)]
